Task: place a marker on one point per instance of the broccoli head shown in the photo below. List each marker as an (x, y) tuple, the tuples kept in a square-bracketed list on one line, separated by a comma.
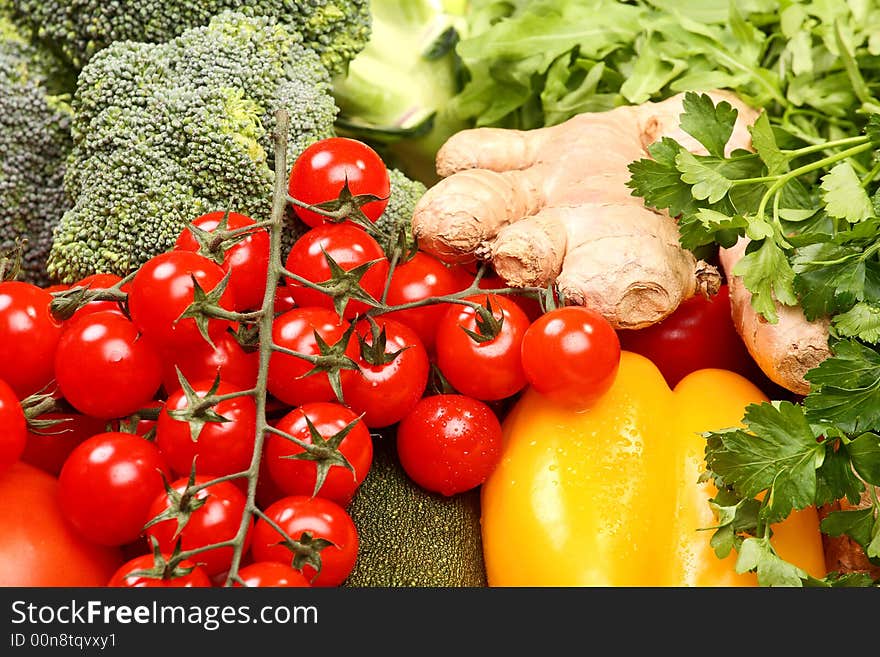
[(336, 29), (34, 142), (165, 132), (398, 213)]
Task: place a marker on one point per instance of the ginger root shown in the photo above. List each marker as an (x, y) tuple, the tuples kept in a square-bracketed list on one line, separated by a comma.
[(784, 351), (552, 205)]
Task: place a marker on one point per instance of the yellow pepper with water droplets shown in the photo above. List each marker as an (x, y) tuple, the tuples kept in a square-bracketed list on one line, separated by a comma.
[(609, 496)]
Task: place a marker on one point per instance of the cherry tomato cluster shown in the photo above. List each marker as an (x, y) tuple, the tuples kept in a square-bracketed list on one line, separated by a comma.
[(158, 400)]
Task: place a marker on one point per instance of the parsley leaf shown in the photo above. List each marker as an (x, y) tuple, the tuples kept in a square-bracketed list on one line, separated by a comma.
[(758, 554), (844, 196), (777, 453), (857, 524), (709, 124), (861, 321), (658, 180), (845, 389), (765, 271), (864, 452)]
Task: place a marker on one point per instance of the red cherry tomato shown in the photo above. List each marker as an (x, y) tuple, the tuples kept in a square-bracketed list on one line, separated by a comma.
[(305, 519), (104, 368), (487, 370), (289, 380), (571, 354), (294, 476), (322, 170), (216, 518), (29, 336), (98, 282), (266, 574), (38, 546), (385, 392), (227, 358), (699, 334), (349, 247), (13, 427), (247, 259), (220, 448), (417, 279), (284, 300), (125, 577), (48, 448), (107, 485), (163, 289), (449, 443)]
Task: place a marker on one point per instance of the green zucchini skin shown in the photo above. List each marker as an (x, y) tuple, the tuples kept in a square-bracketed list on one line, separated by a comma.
[(409, 537)]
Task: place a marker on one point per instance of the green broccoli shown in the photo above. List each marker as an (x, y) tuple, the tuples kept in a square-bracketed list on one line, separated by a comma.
[(34, 142), (336, 29), (405, 193), (163, 133)]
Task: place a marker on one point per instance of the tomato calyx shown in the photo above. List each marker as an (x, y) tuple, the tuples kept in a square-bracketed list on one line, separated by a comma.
[(247, 336), (331, 360), (181, 505), (324, 452), (38, 404), (374, 353), (346, 206), (199, 408), (344, 285), (488, 326), (66, 302), (11, 260), (164, 569), (306, 551), (213, 244), (206, 306)]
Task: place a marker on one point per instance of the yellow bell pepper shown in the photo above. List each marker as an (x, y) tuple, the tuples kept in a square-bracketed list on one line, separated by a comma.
[(609, 496)]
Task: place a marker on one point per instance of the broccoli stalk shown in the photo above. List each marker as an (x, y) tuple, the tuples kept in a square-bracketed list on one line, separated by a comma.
[(397, 90)]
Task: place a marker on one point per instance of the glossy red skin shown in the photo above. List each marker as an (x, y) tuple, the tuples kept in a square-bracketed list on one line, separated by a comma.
[(321, 518), (420, 278), (298, 477), (265, 574), (350, 247), (201, 361), (321, 171), (222, 447), (13, 427), (449, 444), (38, 547), (107, 485), (571, 355), (218, 519), (295, 330), (699, 334), (489, 370), (284, 300), (163, 288), (104, 368), (248, 259), (97, 282), (49, 449), (29, 336), (196, 578), (384, 394)]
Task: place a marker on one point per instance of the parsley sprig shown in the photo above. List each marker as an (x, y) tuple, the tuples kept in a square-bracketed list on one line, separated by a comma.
[(813, 221)]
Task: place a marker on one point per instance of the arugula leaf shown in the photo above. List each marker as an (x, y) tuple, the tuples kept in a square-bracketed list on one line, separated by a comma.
[(777, 453), (844, 196), (710, 124)]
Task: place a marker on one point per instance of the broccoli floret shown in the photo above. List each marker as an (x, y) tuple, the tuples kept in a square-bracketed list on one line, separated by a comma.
[(34, 143), (336, 29), (163, 133), (397, 215)]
